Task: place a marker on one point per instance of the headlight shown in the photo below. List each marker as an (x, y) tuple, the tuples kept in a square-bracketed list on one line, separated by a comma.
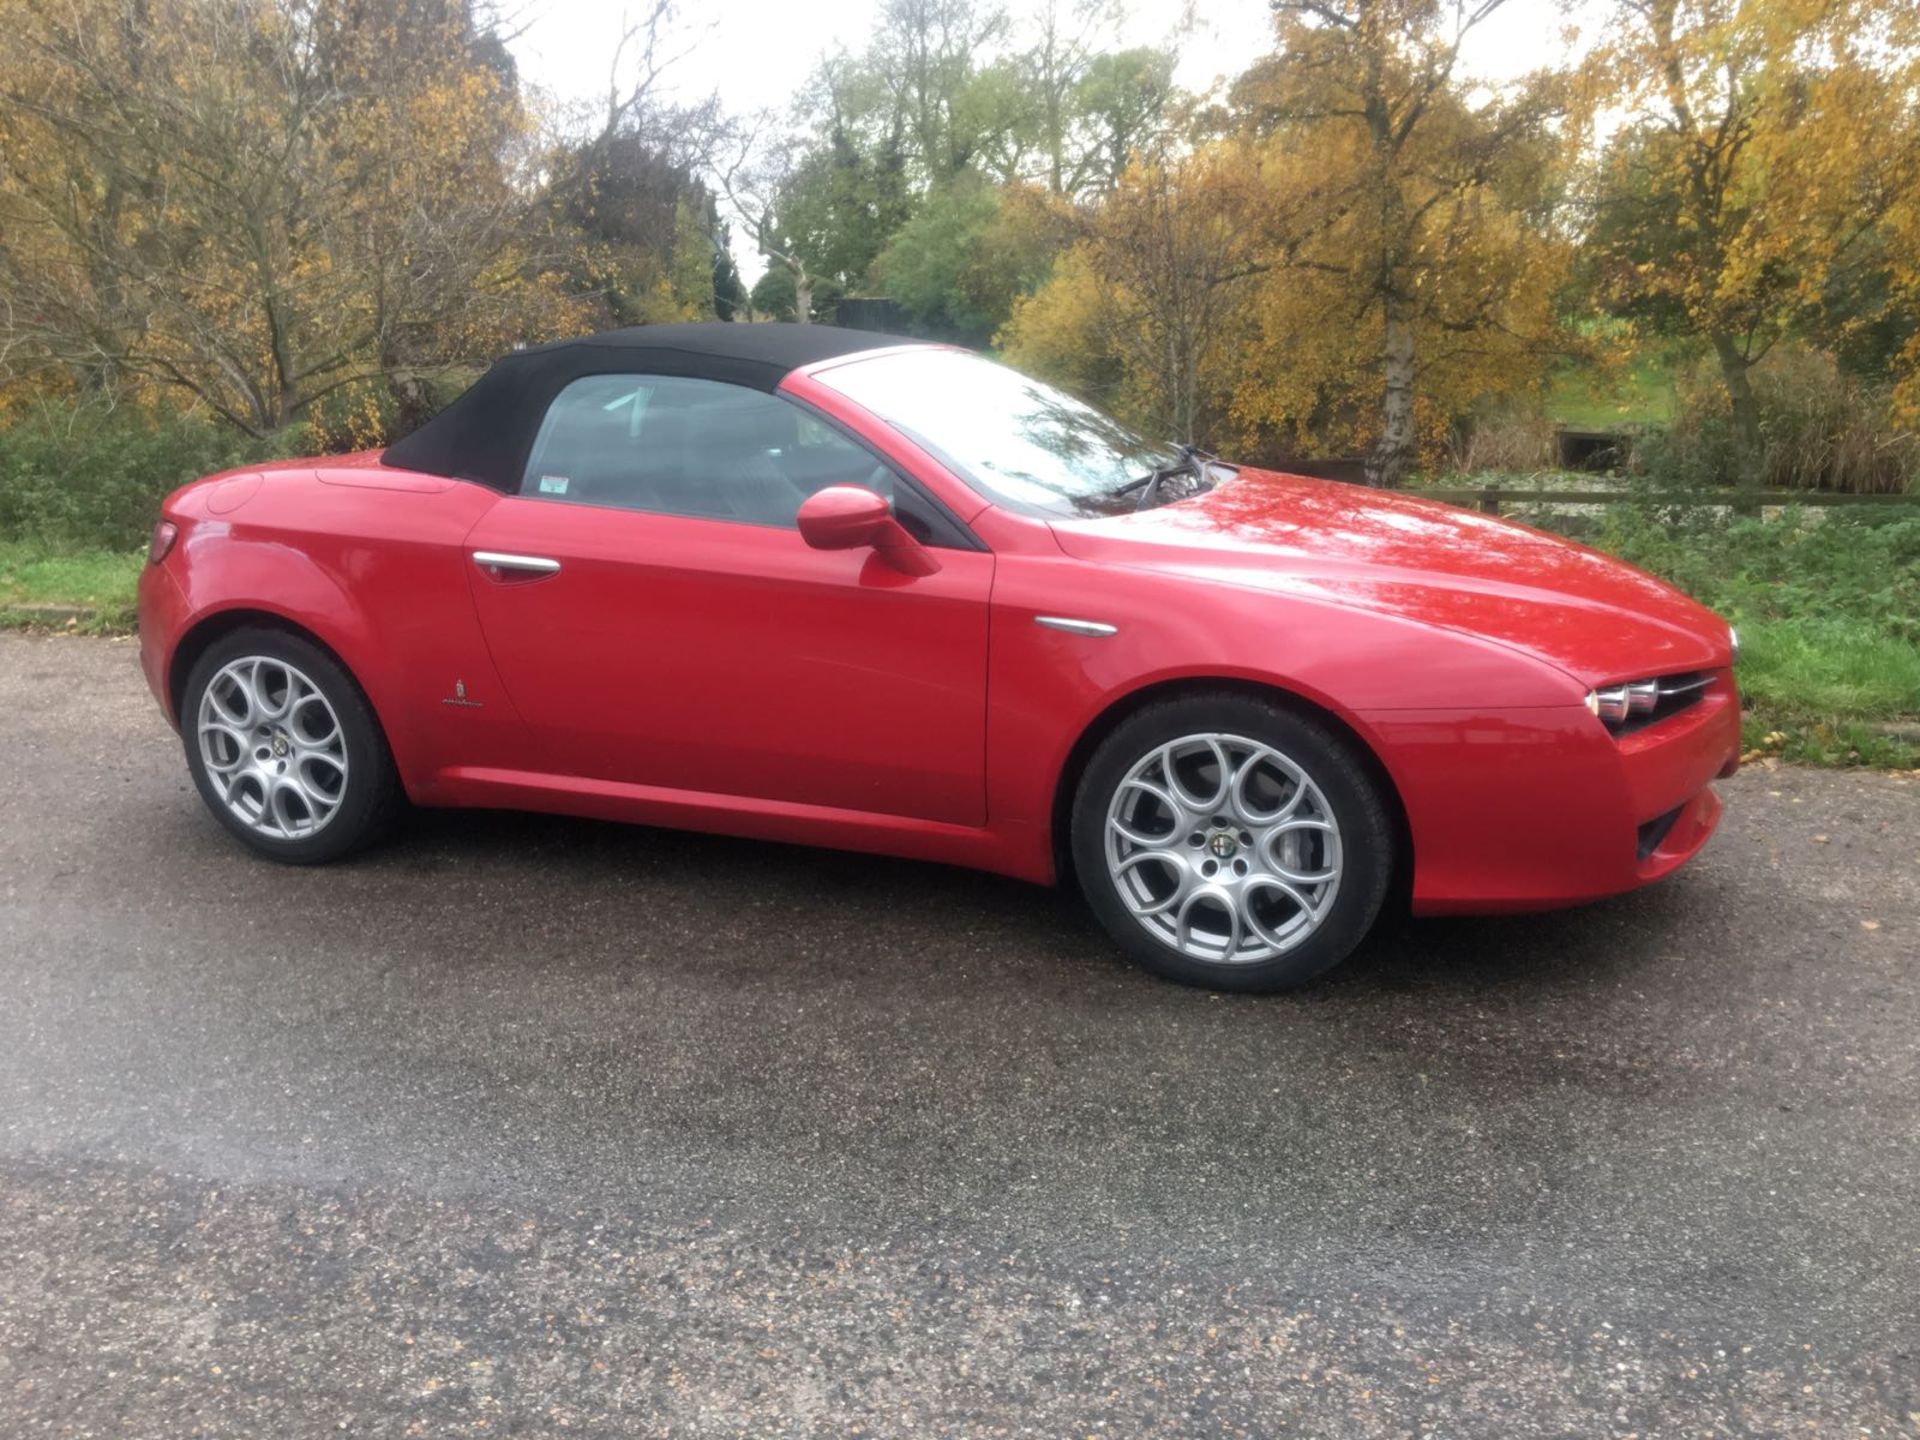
[(1634, 703), (1609, 704)]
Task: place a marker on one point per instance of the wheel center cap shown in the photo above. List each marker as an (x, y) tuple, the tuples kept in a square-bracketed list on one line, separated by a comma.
[(1223, 845), (280, 746)]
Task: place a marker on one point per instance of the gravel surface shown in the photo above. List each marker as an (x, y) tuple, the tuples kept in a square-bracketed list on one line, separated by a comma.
[(524, 1126)]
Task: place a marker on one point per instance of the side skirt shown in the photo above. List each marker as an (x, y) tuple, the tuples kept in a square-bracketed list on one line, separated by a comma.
[(1010, 851)]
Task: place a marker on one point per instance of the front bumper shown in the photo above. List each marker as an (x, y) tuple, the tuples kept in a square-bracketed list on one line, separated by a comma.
[(1534, 809), (163, 614)]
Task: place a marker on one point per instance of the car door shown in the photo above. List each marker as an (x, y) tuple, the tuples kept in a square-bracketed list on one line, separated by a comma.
[(658, 620)]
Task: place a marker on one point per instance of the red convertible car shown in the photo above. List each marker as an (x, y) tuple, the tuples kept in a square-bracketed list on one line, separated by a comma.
[(816, 585)]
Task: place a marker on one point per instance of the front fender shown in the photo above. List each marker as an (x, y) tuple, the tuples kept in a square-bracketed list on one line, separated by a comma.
[(1049, 687)]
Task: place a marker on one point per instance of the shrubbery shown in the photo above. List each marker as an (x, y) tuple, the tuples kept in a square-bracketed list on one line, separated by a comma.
[(1821, 429), (92, 475), (1505, 442), (1863, 564)]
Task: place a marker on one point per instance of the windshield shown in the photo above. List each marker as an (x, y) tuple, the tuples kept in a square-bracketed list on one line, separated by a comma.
[(1014, 439)]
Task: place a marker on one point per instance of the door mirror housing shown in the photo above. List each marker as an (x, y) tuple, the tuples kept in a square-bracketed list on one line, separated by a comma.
[(850, 517), (844, 517)]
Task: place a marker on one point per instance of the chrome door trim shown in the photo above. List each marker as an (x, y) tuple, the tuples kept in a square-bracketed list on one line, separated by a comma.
[(522, 564)]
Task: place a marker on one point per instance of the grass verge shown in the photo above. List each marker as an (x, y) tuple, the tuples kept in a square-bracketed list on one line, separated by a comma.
[(85, 591), (1587, 398)]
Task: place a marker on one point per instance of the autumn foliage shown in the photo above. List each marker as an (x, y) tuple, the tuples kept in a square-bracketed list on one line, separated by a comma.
[(1773, 152), (287, 209), (1396, 253), (330, 211)]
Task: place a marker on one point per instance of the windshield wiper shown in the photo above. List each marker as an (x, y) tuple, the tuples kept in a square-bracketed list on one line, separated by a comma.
[(1193, 461)]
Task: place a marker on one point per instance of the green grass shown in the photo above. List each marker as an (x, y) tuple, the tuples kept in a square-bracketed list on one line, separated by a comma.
[(100, 582), (1809, 668), (1819, 689), (1583, 398)]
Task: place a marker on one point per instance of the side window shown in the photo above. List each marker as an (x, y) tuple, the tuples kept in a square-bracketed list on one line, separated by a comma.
[(690, 447)]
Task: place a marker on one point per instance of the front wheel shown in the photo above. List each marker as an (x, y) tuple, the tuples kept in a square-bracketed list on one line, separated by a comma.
[(1228, 842), (284, 748)]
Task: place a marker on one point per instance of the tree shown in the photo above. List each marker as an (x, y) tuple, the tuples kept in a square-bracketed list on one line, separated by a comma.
[(633, 228), (884, 176), (1767, 144), (950, 86), (752, 178), (925, 55), (633, 223), (924, 106), (729, 292), (262, 203), (959, 264), (1388, 186), (1056, 67), (1150, 298), (839, 206), (1122, 101), (1342, 256), (936, 93)]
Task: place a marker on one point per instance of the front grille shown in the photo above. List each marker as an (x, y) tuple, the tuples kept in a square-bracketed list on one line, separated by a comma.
[(1637, 704)]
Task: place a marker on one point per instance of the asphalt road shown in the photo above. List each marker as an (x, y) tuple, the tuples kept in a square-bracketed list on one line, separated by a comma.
[(533, 1127)]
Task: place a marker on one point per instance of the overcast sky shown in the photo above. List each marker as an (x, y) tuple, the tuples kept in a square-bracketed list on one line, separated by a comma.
[(756, 53)]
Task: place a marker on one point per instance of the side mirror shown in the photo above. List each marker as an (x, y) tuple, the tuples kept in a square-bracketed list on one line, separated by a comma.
[(848, 517)]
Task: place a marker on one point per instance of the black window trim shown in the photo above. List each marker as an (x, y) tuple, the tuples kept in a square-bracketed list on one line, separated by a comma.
[(960, 534)]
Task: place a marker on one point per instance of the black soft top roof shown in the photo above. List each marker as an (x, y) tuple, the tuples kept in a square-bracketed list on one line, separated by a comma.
[(486, 434)]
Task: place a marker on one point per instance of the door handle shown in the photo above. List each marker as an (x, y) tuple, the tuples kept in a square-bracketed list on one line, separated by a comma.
[(504, 564)]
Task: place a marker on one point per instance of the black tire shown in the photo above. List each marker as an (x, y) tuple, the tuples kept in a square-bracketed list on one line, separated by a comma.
[(370, 795), (1366, 837)]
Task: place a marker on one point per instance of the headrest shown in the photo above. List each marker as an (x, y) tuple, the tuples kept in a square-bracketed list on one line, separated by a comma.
[(754, 423)]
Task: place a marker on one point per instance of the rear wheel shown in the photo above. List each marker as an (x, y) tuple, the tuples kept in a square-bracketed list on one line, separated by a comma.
[(1229, 842), (284, 748)]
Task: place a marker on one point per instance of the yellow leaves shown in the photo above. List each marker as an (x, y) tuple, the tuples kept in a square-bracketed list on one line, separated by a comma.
[(1765, 140), (1292, 234), (1058, 331), (324, 184), (1294, 314)]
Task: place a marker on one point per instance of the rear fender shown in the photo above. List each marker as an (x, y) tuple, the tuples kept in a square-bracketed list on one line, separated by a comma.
[(398, 616)]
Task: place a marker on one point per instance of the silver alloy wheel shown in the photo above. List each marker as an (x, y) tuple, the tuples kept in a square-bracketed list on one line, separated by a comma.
[(273, 747), (1223, 848)]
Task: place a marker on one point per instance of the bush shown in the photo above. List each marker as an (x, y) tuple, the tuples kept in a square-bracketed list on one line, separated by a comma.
[(1842, 563), (1820, 428), (1506, 442), (91, 475)]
